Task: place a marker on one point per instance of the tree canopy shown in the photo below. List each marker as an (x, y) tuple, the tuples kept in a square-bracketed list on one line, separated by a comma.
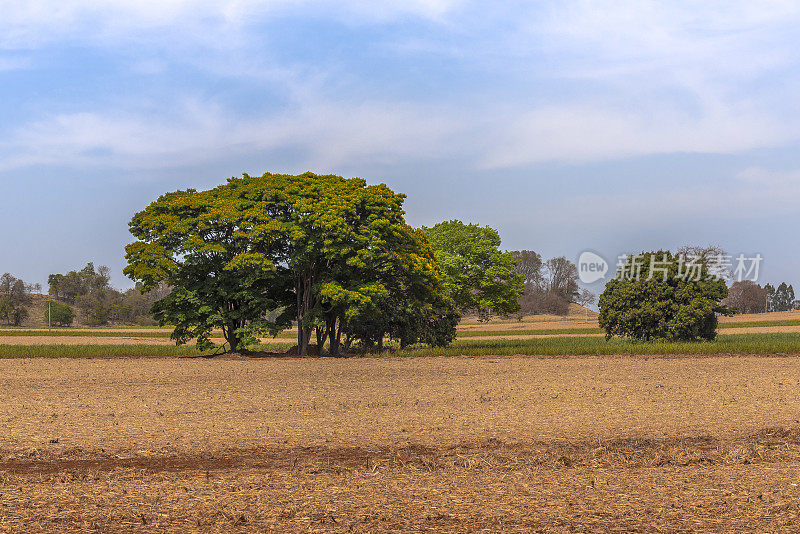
[(661, 296), (58, 313), (254, 253), (477, 275)]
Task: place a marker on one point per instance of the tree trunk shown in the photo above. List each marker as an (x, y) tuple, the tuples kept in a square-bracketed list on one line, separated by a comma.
[(348, 340), (304, 301), (231, 338), (330, 320), (322, 335)]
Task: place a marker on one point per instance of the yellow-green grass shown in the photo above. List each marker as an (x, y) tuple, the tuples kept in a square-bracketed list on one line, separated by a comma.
[(597, 330), (778, 343)]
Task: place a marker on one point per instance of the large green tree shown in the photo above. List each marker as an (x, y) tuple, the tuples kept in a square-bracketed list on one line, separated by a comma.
[(661, 296), (477, 275), (255, 252)]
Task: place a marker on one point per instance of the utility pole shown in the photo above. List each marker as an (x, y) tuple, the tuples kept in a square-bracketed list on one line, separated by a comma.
[(49, 315)]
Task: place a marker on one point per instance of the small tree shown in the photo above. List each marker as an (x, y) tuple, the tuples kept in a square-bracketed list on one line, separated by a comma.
[(89, 290), (60, 314), (11, 312), (528, 264), (584, 298), (658, 296)]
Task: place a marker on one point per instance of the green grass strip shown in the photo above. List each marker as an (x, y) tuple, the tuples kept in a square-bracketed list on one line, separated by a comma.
[(584, 346), (779, 343)]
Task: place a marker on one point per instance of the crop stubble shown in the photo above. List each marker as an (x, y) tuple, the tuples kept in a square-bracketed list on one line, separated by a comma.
[(436, 444)]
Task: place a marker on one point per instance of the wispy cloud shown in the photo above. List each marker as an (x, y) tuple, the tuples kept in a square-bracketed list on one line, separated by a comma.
[(607, 80), (326, 135)]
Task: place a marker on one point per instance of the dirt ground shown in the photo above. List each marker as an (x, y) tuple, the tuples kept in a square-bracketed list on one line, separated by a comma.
[(385, 445)]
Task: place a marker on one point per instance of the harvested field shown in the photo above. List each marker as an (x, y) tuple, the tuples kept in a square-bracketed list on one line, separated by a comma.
[(425, 444)]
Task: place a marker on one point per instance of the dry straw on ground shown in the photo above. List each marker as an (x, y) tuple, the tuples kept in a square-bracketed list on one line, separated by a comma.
[(419, 445)]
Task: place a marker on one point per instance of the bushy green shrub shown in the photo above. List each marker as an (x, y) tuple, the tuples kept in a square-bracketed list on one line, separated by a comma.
[(661, 296)]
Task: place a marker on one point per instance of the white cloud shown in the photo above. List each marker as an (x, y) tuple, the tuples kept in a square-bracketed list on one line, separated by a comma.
[(624, 79), (195, 132)]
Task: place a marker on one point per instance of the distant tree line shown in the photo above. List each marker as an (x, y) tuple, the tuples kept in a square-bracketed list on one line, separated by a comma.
[(747, 296), (549, 286), (781, 298), (98, 304)]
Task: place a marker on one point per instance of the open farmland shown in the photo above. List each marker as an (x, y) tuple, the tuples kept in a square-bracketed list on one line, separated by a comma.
[(421, 444), (580, 435), (576, 324)]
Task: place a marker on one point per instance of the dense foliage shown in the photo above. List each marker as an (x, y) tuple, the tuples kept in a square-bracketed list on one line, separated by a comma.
[(478, 276), (251, 255), (658, 296)]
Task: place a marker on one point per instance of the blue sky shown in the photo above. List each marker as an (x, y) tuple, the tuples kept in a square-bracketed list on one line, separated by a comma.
[(568, 125)]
